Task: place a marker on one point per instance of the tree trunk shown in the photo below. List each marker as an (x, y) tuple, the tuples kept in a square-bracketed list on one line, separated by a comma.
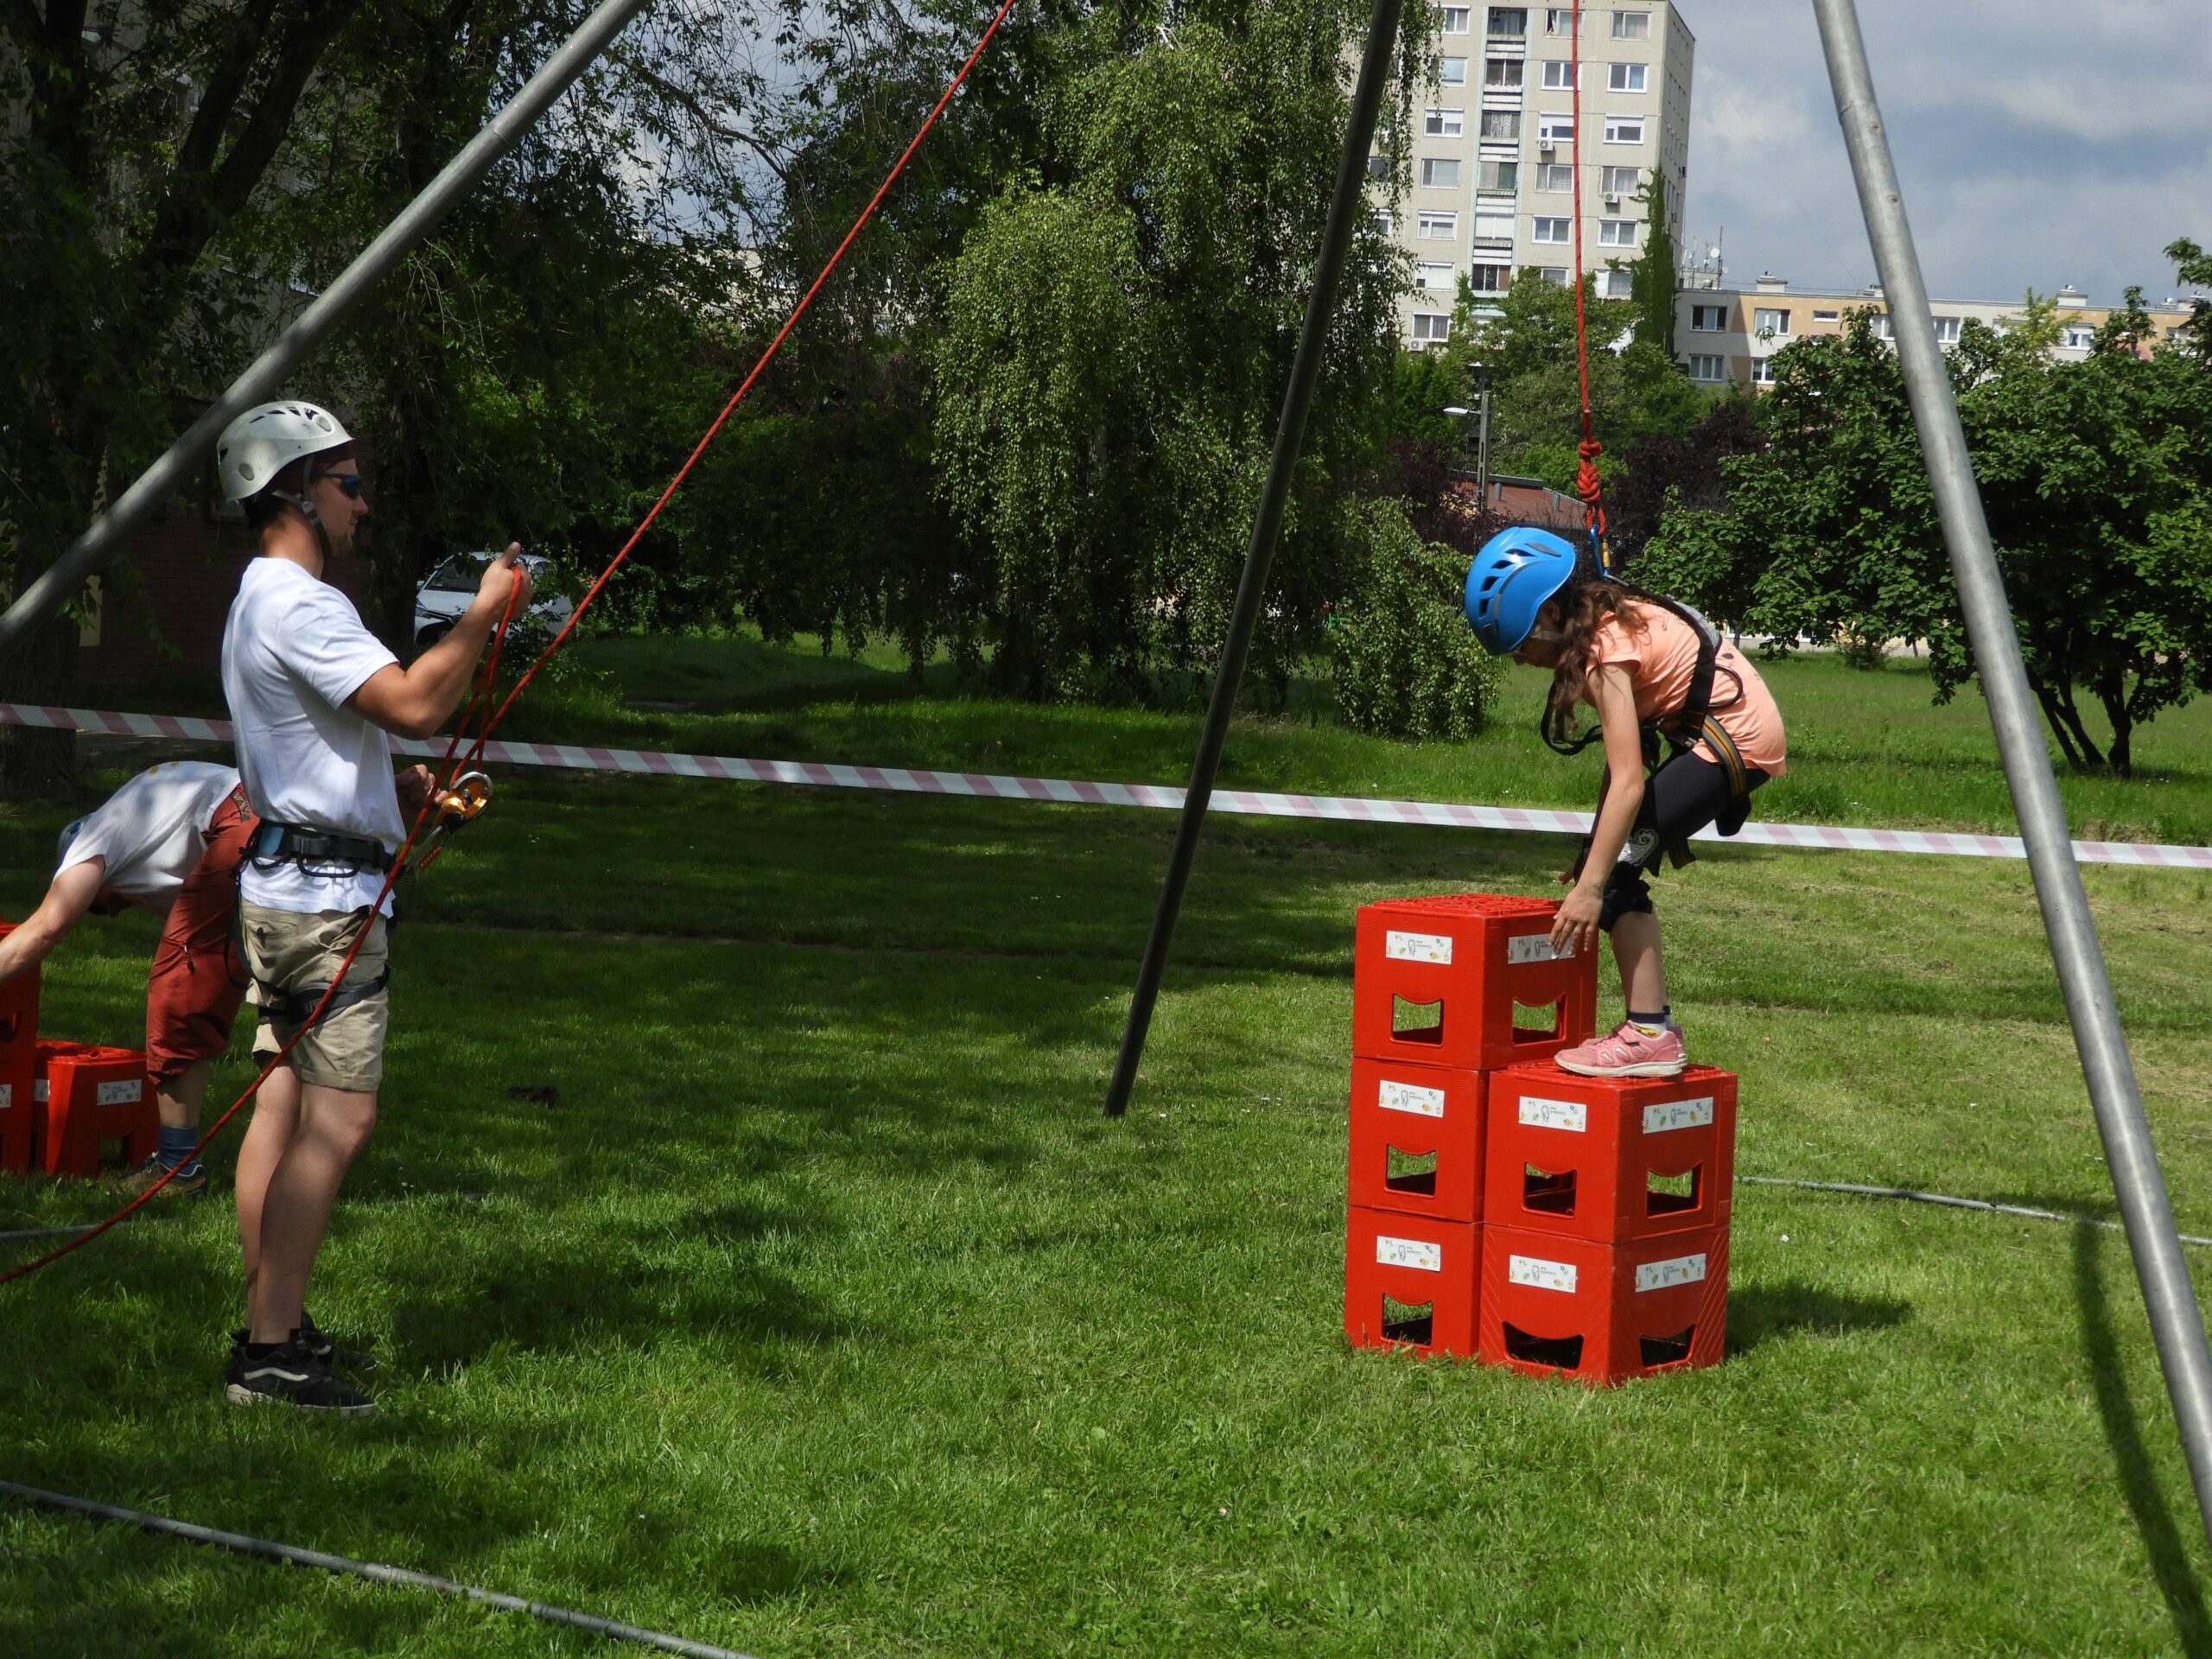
[(2112, 694), (36, 762), (2065, 721)]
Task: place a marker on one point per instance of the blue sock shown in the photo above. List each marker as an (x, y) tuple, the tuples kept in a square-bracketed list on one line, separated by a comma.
[(176, 1145)]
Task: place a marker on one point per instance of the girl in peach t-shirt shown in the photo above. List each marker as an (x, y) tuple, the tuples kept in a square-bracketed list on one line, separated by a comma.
[(1615, 652)]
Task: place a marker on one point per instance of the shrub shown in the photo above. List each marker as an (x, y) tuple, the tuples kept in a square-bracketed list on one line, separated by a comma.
[(1407, 664)]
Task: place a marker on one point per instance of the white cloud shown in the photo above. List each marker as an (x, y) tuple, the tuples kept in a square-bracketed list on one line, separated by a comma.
[(2039, 142)]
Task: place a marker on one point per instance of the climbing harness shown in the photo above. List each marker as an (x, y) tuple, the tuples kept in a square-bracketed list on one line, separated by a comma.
[(319, 852), (465, 784)]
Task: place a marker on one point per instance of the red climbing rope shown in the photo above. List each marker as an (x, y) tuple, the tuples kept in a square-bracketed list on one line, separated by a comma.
[(482, 693), (1585, 474)]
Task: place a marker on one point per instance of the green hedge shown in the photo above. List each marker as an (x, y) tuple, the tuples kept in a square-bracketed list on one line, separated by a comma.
[(1407, 664)]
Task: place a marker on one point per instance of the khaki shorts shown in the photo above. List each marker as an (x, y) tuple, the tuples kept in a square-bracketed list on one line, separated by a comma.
[(289, 955)]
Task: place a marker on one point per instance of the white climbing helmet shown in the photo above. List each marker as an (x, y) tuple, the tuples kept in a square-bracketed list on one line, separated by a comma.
[(266, 440)]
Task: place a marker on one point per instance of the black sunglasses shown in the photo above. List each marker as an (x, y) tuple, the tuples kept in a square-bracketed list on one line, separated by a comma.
[(348, 482)]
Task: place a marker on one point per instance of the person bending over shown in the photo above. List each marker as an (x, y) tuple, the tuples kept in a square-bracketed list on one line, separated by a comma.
[(313, 695), (1650, 668)]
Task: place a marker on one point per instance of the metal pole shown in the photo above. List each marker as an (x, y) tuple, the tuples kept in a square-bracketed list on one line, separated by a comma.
[(2176, 1323), (1482, 447), (1345, 205), (265, 379)]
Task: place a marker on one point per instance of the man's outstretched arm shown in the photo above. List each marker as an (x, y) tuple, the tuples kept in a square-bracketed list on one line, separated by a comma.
[(66, 902)]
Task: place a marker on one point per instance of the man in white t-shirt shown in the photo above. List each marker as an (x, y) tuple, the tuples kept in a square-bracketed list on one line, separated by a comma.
[(311, 695)]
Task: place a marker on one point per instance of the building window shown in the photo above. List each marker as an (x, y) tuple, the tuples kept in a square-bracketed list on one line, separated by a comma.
[(1621, 180), (1444, 123), (1555, 275), (1824, 316), (1551, 229), (1707, 368), (1431, 326), (1439, 173), (1438, 227), (1624, 78), (1378, 167), (1632, 25), (2077, 340), (1881, 325), (1774, 322), (1489, 279), (1556, 177), (1559, 77), (1501, 126), (1503, 176), (1708, 319), (1623, 129), (1434, 279), (1615, 284), (1503, 73), (1554, 129), (1456, 19), (1616, 232), (1509, 23), (1762, 371), (1452, 72), (1947, 331), (1558, 20), (1493, 230), (1384, 225)]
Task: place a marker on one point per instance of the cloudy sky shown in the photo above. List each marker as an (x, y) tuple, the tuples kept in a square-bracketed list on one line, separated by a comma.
[(2040, 142)]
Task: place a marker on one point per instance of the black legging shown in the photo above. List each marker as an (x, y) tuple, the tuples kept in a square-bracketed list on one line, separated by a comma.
[(1680, 798)]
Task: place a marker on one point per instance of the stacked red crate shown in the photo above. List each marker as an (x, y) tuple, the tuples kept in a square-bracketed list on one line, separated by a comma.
[(18, 1064), (1445, 991), (1502, 1208)]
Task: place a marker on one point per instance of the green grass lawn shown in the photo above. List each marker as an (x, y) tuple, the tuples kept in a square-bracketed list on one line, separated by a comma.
[(821, 1313)]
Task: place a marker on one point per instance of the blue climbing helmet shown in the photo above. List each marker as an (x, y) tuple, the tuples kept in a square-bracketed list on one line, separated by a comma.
[(1509, 583)]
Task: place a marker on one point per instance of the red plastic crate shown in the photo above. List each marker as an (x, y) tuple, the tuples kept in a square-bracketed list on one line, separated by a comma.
[(1605, 1159), (18, 1064), (1435, 981), (1428, 1268), (87, 1093), (1551, 1305), (1431, 1118)]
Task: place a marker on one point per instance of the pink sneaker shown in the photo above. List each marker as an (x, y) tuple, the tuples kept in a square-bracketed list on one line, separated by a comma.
[(1628, 1052)]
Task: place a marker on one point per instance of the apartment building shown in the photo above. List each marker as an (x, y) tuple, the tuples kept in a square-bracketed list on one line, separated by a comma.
[(1495, 150), (1729, 336)]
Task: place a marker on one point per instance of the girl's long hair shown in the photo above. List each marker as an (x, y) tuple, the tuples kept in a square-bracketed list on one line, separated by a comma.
[(1588, 606)]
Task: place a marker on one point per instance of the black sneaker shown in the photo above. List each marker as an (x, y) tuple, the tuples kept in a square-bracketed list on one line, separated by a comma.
[(320, 1348), (288, 1376)]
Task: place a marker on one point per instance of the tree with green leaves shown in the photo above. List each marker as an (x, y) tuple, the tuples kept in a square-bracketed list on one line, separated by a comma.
[(2097, 481), (1654, 274)]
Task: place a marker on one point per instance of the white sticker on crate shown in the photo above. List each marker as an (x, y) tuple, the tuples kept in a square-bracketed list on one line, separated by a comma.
[(1409, 1253), (7, 1095), (1542, 1274), (1676, 1270), (1678, 1114), (1410, 1098), (39, 1089), (1418, 947), (120, 1093), (1572, 1115), (1535, 947)]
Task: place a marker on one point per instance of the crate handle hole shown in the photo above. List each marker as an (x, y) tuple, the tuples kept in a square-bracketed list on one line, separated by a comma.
[(1669, 1195), (1409, 1172), (11, 1027), (1536, 1022), (1547, 1193), (1416, 1022), (1565, 1352), (1667, 1351), (1413, 1322)]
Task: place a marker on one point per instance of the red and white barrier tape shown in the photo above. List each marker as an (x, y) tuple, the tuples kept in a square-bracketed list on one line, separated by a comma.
[(1359, 809)]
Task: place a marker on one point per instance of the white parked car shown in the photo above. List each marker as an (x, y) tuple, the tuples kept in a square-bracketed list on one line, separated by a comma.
[(446, 592)]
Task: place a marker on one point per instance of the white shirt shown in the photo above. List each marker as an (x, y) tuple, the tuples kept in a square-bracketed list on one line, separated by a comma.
[(294, 650), (151, 832)]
